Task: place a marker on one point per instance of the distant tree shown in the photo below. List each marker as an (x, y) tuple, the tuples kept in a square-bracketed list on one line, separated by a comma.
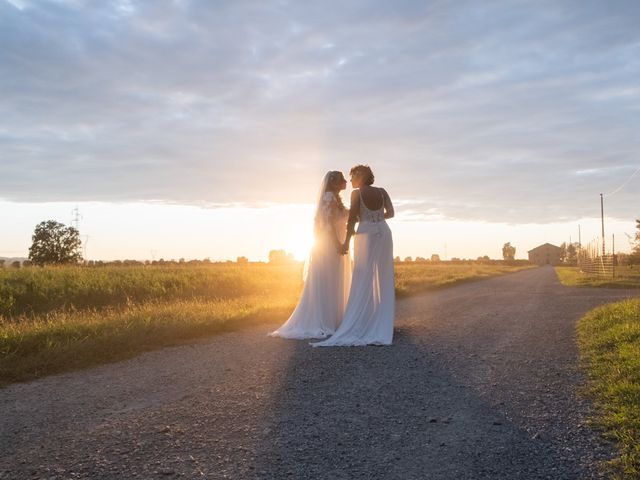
[(1, 262), (572, 254), (15, 264), (435, 257), (27, 263), (508, 252), (563, 252), (622, 259), (280, 256), (420, 259), (397, 260), (55, 243), (408, 259), (243, 260)]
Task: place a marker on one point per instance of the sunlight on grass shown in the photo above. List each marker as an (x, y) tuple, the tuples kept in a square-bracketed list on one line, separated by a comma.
[(609, 339), (414, 278), (65, 340), (61, 318)]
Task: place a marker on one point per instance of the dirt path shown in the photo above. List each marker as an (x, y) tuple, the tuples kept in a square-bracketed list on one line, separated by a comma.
[(482, 382)]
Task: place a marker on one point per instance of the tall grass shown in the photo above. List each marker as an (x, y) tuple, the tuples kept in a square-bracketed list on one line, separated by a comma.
[(412, 278), (61, 341), (56, 319), (625, 277), (41, 290), (609, 339)]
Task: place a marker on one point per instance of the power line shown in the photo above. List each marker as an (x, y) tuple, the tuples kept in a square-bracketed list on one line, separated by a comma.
[(624, 184)]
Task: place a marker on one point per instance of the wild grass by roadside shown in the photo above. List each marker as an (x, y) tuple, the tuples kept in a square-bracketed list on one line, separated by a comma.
[(62, 341), (625, 277), (58, 319), (609, 340), (412, 278), (40, 290)]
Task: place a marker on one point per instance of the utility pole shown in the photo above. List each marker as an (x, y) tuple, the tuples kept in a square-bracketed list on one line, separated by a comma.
[(75, 219), (602, 221), (75, 222), (86, 240), (579, 238)]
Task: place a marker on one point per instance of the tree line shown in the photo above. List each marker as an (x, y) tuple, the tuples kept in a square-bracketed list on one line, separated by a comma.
[(54, 243)]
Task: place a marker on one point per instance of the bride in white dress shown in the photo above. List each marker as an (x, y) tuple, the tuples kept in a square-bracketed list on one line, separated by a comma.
[(327, 272), (369, 314)]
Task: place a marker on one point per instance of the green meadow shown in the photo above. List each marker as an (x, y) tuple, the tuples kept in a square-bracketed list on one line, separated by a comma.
[(624, 277), (609, 340), (56, 319)]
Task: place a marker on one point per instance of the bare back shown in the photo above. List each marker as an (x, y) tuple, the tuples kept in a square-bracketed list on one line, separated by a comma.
[(373, 197)]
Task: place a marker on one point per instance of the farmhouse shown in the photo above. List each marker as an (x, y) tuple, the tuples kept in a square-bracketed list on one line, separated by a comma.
[(545, 254)]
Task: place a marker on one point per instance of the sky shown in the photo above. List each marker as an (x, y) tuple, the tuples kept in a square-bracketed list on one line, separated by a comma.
[(203, 128)]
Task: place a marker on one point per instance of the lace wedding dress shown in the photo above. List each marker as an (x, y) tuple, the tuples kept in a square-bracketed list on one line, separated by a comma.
[(328, 277), (369, 314)]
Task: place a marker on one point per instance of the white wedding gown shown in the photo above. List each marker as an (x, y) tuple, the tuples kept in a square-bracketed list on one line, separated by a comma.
[(328, 277), (369, 314)]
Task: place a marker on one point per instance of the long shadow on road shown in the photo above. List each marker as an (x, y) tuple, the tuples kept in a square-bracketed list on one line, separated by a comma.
[(391, 412)]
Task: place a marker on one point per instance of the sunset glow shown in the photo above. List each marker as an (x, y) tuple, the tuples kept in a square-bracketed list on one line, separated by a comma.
[(153, 231)]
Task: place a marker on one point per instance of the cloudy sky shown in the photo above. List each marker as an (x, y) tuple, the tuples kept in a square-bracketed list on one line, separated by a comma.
[(508, 114)]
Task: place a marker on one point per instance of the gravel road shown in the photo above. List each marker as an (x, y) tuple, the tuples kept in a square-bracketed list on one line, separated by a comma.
[(482, 382)]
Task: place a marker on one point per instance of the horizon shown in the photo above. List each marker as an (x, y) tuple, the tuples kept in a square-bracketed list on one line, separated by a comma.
[(137, 225)]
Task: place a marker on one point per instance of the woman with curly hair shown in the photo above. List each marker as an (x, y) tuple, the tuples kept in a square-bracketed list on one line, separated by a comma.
[(369, 315)]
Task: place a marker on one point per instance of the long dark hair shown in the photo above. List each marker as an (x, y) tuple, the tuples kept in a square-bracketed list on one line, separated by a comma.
[(335, 176)]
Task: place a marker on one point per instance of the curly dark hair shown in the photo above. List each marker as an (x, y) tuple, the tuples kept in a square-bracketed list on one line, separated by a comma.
[(365, 171)]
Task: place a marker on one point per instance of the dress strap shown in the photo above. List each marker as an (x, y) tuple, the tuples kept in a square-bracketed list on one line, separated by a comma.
[(361, 200)]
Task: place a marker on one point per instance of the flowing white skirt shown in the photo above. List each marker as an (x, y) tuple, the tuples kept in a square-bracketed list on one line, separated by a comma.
[(324, 296), (370, 311)]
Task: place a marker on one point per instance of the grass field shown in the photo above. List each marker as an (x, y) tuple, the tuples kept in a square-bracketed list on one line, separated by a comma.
[(412, 278), (60, 318), (609, 339), (625, 277)]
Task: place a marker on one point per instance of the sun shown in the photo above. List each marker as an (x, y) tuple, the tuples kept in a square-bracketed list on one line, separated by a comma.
[(299, 244)]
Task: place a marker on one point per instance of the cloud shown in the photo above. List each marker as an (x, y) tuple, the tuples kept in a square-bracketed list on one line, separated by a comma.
[(477, 110)]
